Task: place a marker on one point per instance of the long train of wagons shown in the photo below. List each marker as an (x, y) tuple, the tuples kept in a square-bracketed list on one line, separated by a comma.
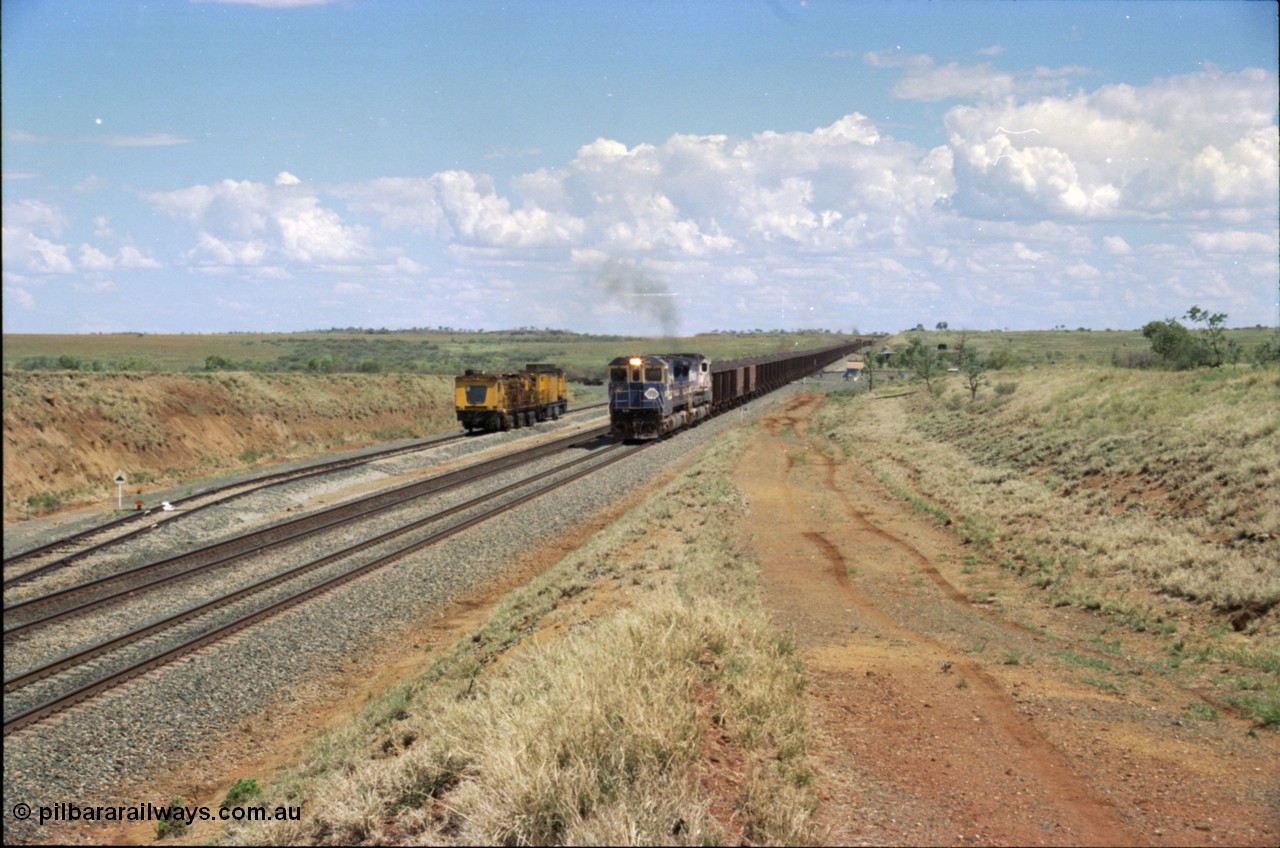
[(649, 396)]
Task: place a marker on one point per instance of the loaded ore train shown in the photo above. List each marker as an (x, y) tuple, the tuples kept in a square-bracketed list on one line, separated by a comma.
[(509, 400), (651, 396)]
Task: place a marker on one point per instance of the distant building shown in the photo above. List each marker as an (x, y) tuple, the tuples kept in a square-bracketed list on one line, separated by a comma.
[(853, 369)]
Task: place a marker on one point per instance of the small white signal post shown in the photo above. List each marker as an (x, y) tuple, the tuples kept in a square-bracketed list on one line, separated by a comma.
[(120, 478)]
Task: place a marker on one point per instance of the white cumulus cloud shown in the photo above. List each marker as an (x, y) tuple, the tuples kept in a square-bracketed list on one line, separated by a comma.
[(1169, 150), (248, 223)]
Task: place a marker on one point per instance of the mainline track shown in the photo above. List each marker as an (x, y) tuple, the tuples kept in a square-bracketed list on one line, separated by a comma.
[(120, 529), (62, 552), (597, 460), (82, 597)]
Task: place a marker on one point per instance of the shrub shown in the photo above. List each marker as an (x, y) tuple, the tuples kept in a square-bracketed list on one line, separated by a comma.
[(1182, 348), (998, 360), (1139, 359), (244, 789)]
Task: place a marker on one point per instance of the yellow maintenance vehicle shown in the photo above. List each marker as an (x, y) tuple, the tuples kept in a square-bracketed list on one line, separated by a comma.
[(504, 401)]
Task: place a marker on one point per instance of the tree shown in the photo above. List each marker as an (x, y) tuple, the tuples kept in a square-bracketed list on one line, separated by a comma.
[(941, 325), (1212, 338), (973, 366), (1173, 343), (1268, 352), (924, 360), (218, 363), (1234, 352), (1181, 347)]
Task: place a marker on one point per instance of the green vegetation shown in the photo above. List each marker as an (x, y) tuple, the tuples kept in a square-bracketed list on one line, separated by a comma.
[(1105, 685), (446, 351), (1182, 348), (925, 361), (245, 789), (440, 351), (176, 823), (1019, 348), (973, 367)]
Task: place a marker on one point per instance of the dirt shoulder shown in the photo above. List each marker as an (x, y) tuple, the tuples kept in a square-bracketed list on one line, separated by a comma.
[(937, 721)]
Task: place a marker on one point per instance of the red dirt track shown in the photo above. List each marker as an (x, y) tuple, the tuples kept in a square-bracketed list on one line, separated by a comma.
[(938, 721)]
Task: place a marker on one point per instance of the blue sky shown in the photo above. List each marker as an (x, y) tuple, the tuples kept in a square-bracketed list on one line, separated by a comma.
[(646, 168)]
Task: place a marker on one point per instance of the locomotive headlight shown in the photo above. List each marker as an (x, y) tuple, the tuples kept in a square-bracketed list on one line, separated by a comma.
[(635, 360)]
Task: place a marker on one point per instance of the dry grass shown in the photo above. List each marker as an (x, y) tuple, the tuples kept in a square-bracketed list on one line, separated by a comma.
[(445, 353), (1158, 480), (582, 711), (1152, 497)]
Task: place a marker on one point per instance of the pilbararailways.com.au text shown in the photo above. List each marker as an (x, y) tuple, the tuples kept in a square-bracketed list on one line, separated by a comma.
[(176, 814)]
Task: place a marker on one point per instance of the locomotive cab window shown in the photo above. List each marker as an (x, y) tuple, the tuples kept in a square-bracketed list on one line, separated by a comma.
[(617, 375), (476, 394), (653, 374)]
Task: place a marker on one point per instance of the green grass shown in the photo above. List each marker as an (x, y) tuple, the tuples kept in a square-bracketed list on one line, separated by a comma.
[(1105, 685), (1149, 498), (1066, 347), (245, 789), (419, 352), (451, 352)]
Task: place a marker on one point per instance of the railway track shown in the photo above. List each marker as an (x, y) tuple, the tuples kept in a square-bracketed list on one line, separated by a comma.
[(35, 562), (43, 559), (42, 610), (87, 671)]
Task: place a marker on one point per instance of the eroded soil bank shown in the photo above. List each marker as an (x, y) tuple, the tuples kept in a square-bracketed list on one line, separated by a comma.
[(66, 435)]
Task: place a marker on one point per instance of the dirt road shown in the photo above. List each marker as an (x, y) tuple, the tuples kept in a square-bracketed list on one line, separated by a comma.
[(938, 720)]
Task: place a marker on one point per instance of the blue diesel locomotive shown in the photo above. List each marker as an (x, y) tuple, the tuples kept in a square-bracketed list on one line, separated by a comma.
[(650, 396)]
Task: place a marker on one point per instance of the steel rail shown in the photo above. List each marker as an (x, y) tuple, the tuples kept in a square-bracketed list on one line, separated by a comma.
[(231, 550), (191, 505), (64, 701), (60, 703), (78, 658)]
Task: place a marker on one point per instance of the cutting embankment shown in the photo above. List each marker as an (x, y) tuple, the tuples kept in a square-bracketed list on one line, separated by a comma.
[(66, 435)]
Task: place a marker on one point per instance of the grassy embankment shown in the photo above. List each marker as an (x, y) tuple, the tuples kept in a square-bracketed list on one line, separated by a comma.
[(1150, 497), (78, 409), (653, 650)]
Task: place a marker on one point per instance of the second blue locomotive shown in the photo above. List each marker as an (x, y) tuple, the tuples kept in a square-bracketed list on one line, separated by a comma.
[(650, 396)]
